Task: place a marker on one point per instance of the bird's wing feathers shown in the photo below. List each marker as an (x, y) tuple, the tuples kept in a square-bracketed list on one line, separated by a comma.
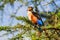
[(37, 15)]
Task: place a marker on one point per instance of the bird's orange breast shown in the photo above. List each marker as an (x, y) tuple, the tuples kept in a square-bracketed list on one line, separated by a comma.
[(34, 19)]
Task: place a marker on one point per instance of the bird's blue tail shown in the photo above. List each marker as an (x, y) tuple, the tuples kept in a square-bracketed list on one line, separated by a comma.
[(39, 22)]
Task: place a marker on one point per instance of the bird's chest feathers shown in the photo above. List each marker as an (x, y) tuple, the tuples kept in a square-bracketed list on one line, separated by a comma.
[(32, 17)]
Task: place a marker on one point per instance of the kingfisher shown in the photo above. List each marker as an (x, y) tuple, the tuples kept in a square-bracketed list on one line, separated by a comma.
[(35, 18)]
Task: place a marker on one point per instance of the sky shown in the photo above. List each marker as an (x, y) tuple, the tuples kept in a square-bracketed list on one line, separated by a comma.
[(10, 10)]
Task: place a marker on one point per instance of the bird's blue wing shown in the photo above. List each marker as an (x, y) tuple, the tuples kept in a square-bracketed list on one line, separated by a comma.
[(39, 22)]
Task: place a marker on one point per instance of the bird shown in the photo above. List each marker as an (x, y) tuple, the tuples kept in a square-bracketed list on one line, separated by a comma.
[(34, 17)]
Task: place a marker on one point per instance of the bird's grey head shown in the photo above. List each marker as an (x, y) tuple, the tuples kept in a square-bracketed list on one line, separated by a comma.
[(30, 8)]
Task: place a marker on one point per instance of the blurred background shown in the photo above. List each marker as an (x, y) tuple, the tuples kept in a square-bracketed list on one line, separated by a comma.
[(13, 14)]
